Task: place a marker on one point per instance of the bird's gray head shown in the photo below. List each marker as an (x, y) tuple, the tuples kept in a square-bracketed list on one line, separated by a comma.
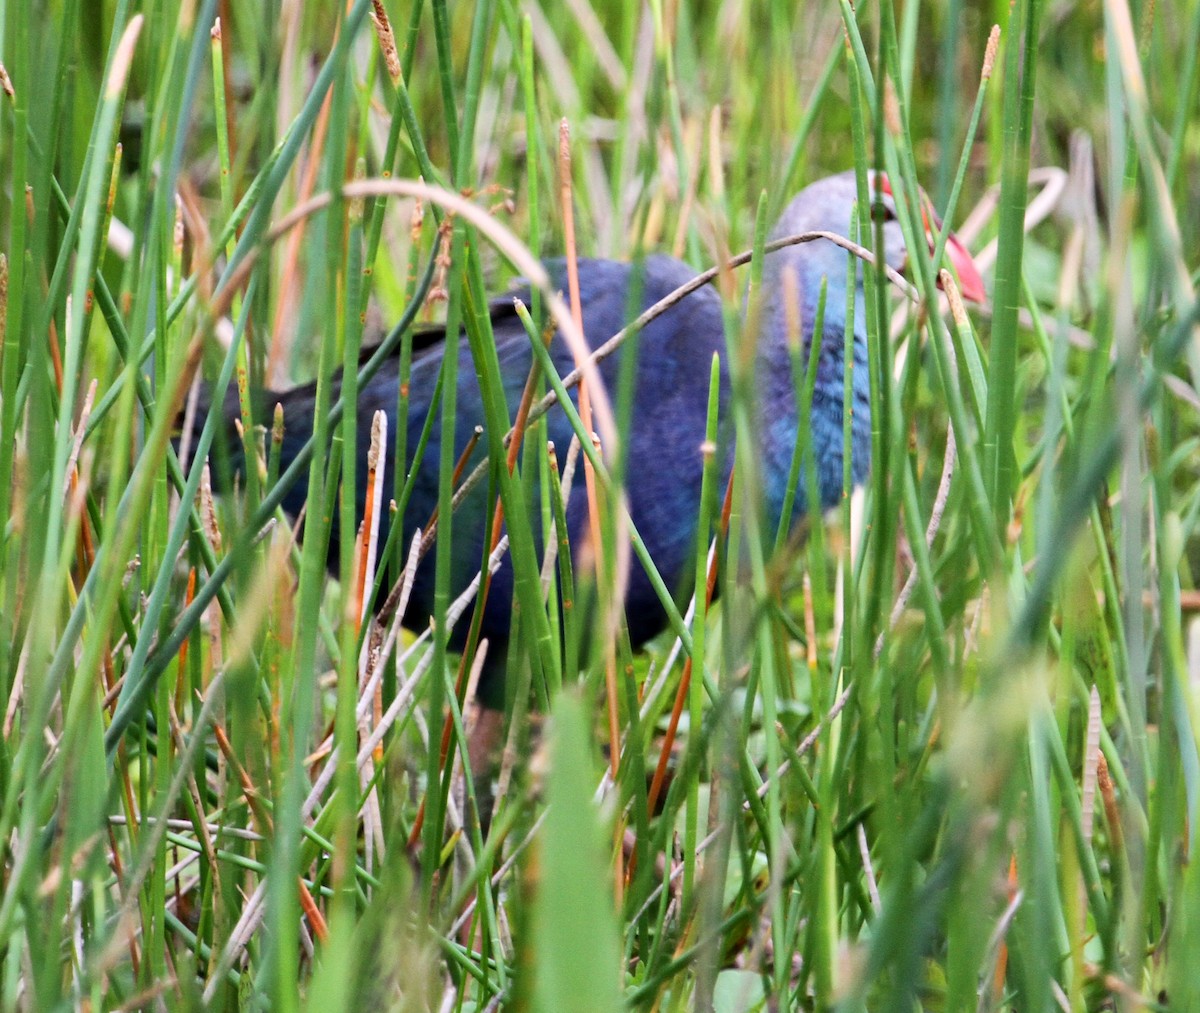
[(830, 205)]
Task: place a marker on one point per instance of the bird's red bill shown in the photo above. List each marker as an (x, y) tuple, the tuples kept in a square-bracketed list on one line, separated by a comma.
[(970, 281)]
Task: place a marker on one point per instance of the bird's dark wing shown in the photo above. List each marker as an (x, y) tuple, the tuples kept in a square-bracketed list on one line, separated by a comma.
[(674, 358)]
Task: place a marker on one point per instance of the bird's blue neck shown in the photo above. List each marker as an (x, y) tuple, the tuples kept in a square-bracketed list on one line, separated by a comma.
[(777, 388)]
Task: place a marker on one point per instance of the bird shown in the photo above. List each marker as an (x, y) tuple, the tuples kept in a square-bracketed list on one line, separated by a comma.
[(667, 427)]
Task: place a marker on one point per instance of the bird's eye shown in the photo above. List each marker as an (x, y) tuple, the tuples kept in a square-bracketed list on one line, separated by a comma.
[(882, 212)]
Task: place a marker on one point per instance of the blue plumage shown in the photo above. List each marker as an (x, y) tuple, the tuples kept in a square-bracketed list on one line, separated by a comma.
[(668, 422), (669, 410)]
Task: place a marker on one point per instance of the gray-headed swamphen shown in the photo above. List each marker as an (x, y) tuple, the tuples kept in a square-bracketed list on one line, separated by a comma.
[(674, 357)]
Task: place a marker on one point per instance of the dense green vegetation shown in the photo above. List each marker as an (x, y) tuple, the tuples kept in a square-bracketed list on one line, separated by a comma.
[(945, 757)]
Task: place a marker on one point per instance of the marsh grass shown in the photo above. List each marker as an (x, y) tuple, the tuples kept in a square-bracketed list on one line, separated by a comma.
[(941, 757)]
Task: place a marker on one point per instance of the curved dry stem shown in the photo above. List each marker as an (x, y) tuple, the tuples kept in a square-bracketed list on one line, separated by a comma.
[(503, 239)]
